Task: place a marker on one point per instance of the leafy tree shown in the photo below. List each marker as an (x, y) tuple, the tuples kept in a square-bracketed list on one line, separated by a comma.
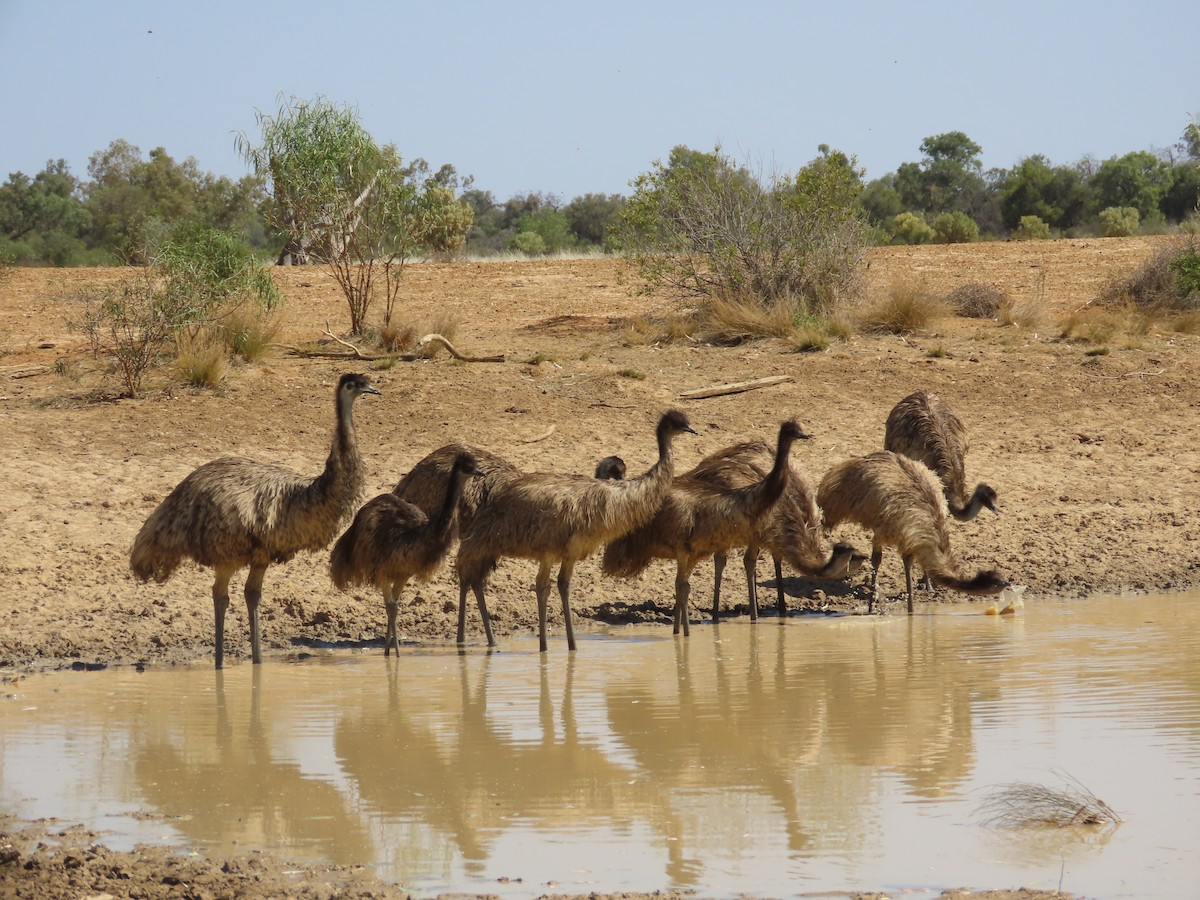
[(948, 179), (42, 219), (1031, 228), (911, 228), (551, 225), (881, 201), (1119, 221), (1189, 142), (704, 227), (1182, 199), (1139, 180), (955, 228), (349, 204), (591, 217)]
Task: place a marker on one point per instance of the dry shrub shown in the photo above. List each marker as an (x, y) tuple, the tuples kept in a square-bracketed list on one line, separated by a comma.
[(1099, 324), (1165, 288), (731, 321), (201, 356), (250, 330), (1024, 804), (908, 307), (976, 301), (640, 331), (1025, 313), (397, 338)]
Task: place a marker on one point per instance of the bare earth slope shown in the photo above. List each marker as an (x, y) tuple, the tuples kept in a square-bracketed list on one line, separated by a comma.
[(1095, 458)]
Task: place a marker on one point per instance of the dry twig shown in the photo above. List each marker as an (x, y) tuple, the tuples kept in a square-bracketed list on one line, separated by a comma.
[(1025, 803)]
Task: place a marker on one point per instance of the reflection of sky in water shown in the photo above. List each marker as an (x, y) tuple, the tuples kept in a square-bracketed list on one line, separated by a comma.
[(822, 754)]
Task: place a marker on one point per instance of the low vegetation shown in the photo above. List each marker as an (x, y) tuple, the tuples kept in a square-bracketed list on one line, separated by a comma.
[(906, 308)]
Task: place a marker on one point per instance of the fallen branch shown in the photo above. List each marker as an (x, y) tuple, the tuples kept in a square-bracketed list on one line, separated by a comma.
[(454, 352), (404, 357), (736, 387), (541, 437), (31, 372)]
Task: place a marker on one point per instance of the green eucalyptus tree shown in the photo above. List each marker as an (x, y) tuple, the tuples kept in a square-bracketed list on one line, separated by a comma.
[(349, 204)]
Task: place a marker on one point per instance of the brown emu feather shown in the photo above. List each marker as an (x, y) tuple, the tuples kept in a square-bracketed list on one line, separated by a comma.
[(697, 518), (235, 512), (901, 501), (560, 518), (791, 531), (391, 541), (923, 427)]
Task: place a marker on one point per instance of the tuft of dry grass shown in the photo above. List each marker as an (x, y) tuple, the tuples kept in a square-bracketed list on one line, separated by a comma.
[(907, 308), (201, 357), (640, 331), (1025, 313), (725, 320), (250, 331), (1024, 804), (1100, 324), (976, 301)]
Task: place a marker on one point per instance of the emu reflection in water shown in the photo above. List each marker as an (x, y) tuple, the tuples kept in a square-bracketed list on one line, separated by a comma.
[(475, 782)]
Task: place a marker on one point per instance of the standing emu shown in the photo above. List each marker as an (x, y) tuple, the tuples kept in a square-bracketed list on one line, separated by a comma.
[(923, 427), (426, 484), (900, 500), (791, 531), (560, 518), (234, 512), (391, 541), (697, 518)]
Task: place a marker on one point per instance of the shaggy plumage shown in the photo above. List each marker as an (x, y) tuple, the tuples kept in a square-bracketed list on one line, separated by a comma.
[(391, 541), (235, 512), (560, 518), (699, 517), (791, 531), (611, 468), (901, 501), (923, 427)]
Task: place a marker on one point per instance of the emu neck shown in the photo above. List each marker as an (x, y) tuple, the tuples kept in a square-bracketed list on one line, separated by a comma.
[(969, 511), (445, 514), (343, 469), (772, 487)]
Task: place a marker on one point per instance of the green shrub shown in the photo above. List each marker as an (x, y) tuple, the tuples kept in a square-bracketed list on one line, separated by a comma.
[(1032, 228), (1119, 221), (529, 242), (911, 228), (955, 228), (1186, 268)]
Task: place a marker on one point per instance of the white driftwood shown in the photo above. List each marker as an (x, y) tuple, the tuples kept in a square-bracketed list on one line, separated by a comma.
[(736, 387)]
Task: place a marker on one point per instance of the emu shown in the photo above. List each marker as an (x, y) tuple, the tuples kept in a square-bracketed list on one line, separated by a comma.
[(791, 531), (234, 512), (697, 518), (560, 518), (901, 501), (391, 541), (923, 427)]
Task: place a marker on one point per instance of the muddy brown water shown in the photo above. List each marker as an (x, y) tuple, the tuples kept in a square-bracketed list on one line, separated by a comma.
[(814, 754)]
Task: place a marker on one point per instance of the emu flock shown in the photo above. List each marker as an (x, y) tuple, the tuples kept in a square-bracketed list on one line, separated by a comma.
[(232, 513)]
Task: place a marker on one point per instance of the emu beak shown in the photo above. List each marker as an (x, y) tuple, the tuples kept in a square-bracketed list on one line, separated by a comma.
[(370, 389)]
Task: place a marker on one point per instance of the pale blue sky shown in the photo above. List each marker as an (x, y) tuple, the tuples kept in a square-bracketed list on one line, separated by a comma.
[(571, 98)]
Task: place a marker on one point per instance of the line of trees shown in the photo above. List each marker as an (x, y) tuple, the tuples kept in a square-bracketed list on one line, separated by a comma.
[(56, 218)]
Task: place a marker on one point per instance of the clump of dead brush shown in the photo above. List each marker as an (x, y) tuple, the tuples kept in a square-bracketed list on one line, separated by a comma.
[(907, 307), (1023, 804), (975, 300)]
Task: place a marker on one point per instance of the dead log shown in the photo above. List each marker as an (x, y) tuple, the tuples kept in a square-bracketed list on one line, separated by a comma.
[(736, 387)]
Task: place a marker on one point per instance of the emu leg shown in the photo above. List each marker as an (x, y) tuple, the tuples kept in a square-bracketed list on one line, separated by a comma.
[(750, 564), (683, 589), (780, 596), (542, 589), (718, 571), (564, 591), (876, 560), (253, 595), (463, 587), (392, 604), (908, 582), (220, 595)]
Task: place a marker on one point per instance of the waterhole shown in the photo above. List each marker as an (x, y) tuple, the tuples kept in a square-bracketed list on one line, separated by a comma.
[(806, 755)]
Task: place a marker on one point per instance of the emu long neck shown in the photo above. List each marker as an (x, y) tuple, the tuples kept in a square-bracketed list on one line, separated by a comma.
[(771, 488), (445, 514), (343, 475), (966, 512)]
